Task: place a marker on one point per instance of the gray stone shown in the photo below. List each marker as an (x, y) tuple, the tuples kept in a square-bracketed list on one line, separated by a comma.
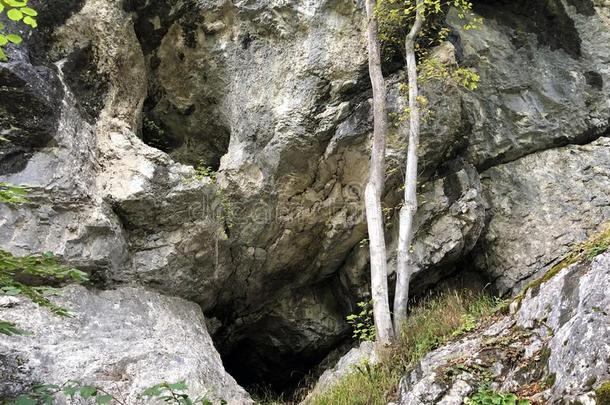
[(361, 356), (539, 207), (123, 340), (557, 338), (275, 94)]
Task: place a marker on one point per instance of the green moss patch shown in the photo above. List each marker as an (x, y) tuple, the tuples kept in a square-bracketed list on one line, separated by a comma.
[(602, 394), (597, 244)]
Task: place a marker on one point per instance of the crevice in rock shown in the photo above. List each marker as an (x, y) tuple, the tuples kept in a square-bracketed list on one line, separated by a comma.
[(88, 85), (587, 137), (184, 113)]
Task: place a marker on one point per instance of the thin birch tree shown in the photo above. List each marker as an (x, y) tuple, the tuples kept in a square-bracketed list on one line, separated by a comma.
[(375, 186), (415, 13)]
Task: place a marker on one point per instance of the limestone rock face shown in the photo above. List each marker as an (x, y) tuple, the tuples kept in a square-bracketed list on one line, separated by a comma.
[(540, 206), (274, 97), (123, 340), (556, 344)]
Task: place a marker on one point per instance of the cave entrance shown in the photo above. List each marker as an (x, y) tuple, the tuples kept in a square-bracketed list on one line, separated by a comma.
[(279, 375), (277, 349)]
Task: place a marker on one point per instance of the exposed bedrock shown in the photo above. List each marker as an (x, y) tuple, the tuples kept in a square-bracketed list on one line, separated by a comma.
[(557, 340), (111, 341), (275, 95)]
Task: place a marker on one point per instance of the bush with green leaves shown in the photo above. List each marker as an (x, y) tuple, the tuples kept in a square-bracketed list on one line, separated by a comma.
[(485, 396), (76, 392), (362, 322), (395, 17), (16, 11)]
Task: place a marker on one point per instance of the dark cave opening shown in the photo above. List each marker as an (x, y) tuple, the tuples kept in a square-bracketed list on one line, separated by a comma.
[(283, 375), (277, 349), (267, 357)]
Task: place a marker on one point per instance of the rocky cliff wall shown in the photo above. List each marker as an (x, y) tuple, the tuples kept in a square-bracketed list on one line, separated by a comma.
[(110, 104)]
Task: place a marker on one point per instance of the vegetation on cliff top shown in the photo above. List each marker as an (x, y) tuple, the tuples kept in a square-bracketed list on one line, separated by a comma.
[(15, 11)]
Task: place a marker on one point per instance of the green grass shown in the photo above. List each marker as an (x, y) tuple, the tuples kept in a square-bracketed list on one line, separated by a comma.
[(430, 324)]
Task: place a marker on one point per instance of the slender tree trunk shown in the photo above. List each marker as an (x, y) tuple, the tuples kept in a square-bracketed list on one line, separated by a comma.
[(405, 265), (375, 186)]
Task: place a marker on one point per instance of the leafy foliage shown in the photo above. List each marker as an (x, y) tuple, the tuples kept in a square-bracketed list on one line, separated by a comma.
[(46, 394), (395, 18), (16, 11), (204, 172), (169, 393), (485, 396), (11, 194), (42, 268), (362, 322), (174, 394), (9, 328), (602, 393)]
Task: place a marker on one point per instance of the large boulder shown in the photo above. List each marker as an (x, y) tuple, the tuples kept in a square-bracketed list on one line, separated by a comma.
[(540, 206), (123, 341), (553, 349)]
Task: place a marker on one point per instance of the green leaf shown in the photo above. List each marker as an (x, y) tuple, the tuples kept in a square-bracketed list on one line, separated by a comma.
[(14, 38), (3, 58), (30, 21), (16, 3), (178, 386), (103, 399), (14, 14), (1, 10), (10, 329), (24, 400), (70, 390), (3, 40), (153, 391), (29, 11), (87, 391), (10, 290)]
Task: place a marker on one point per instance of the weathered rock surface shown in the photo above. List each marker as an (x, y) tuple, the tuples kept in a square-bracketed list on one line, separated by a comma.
[(554, 348), (540, 206), (359, 356), (123, 340), (275, 95)]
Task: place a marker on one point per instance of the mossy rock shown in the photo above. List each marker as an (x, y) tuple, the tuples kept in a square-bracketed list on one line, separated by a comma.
[(602, 394), (597, 244)]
